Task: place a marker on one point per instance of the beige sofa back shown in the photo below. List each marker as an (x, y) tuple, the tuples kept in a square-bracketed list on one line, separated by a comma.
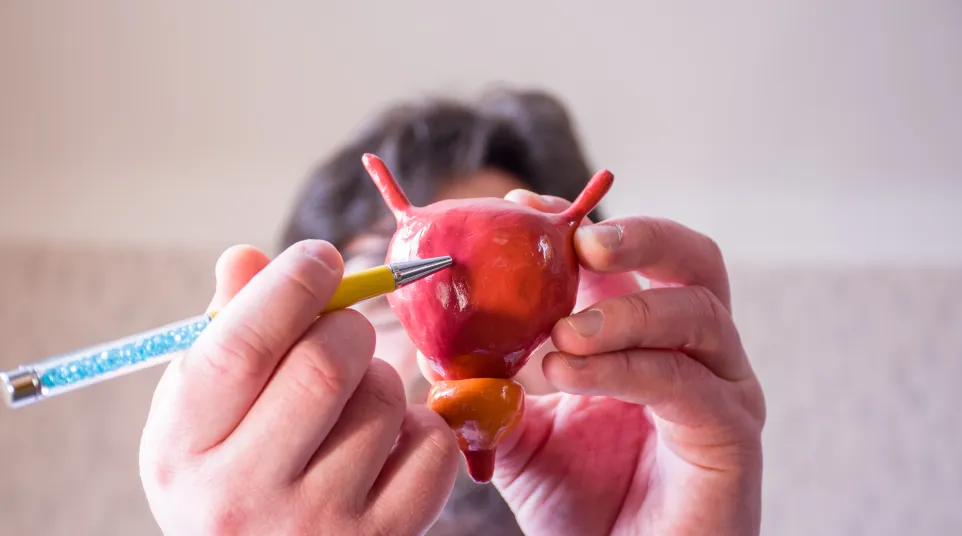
[(860, 368)]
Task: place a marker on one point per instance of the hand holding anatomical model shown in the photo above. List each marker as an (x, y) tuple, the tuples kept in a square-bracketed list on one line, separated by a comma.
[(657, 425)]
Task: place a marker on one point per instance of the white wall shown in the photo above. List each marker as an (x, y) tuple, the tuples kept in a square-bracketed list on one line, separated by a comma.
[(823, 131)]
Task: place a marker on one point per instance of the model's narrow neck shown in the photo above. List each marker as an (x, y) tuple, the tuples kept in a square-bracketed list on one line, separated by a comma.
[(589, 198), (390, 190)]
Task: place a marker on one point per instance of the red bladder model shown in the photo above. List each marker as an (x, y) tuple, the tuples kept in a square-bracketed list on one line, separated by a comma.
[(515, 274)]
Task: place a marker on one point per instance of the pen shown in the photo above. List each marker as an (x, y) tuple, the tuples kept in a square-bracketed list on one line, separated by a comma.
[(82, 368)]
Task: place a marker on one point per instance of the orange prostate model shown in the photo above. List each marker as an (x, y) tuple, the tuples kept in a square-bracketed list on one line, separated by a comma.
[(515, 274)]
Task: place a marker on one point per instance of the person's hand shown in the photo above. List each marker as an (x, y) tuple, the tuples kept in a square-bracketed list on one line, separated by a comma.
[(277, 422), (657, 425)]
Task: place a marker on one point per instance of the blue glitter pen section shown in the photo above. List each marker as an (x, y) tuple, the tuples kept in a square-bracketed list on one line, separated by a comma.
[(138, 351)]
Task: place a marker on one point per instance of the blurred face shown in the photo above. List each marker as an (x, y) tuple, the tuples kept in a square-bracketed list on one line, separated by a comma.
[(393, 345)]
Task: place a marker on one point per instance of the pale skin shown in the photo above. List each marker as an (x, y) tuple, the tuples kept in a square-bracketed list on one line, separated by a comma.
[(276, 424)]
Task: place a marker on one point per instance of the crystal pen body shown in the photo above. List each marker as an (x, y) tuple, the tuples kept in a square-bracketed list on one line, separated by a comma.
[(67, 372)]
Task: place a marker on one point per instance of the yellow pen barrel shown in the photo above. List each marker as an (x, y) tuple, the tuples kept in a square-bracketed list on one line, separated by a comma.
[(63, 373), (361, 286)]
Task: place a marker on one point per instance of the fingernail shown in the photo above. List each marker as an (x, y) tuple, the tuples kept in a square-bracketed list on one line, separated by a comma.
[(321, 251), (607, 236), (534, 200), (522, 194), (586, 323), (575, 361)]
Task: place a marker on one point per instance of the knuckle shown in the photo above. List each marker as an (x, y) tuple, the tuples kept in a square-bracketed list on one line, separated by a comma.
[(713, 251), (438, 452), (332, 355), (639, 310), (237, 356), (383, 386), (650, 232), (754, 401), (349, 331), (378, 525), (605, 373), (712, 319), (304, 278), (316, 374), (672, 375), (627, 368), (438, 445), (157, 470), (224, 517), (705, 302), (363, 335)]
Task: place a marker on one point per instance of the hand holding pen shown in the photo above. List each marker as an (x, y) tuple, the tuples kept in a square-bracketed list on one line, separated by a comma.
[(61, 374), (277, 422)]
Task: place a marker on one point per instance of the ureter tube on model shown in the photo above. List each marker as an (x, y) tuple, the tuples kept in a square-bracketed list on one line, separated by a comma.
[(67, 372)]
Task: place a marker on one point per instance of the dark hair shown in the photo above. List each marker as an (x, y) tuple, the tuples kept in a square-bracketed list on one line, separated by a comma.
[(526, 134)]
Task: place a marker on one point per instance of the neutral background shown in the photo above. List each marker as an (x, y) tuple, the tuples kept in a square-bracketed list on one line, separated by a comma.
[(800, 130), (819, 142)]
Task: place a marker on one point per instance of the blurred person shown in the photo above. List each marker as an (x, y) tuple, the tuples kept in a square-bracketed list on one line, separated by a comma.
[(643, 412)]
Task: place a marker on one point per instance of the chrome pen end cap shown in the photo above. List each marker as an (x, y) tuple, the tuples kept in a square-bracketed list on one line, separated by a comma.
[(20, 387)]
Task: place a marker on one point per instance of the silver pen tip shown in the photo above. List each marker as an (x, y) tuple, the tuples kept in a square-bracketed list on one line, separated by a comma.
[(409, 271)]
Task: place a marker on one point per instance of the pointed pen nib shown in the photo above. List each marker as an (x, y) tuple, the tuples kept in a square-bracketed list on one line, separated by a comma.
[(409, 271)]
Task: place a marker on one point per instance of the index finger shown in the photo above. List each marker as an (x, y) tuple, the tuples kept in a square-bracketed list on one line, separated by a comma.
[(661, 250), (222, 375)]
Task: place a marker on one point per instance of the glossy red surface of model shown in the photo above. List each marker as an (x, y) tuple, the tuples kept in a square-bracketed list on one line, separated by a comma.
[(515, 274)]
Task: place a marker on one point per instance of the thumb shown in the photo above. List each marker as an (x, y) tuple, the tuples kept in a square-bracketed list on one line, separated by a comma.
[(234, 269), (544, 203)]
